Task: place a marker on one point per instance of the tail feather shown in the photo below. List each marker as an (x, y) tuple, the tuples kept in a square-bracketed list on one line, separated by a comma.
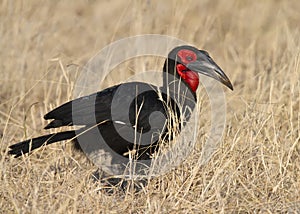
[(32, 144)]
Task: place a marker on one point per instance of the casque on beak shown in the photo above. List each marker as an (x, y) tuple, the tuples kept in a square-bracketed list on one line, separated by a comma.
[(211, 69)]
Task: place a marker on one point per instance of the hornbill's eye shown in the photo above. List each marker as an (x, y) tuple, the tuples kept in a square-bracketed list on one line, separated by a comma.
[(189, 58)]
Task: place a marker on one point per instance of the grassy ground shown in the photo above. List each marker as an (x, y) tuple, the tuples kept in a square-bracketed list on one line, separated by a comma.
[(257, 168)]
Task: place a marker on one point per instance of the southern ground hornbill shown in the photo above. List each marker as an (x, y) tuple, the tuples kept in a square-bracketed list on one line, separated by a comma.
[(181, 80)]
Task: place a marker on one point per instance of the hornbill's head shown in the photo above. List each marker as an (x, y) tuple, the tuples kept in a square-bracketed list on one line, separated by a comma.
[(186, 62)]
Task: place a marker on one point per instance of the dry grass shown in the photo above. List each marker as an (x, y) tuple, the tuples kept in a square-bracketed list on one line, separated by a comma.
[(257, 167)]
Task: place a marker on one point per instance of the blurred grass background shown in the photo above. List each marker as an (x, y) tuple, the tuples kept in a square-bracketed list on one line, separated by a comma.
[(45, 43)]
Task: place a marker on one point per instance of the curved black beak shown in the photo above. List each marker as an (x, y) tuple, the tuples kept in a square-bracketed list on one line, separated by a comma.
[(211, 69)]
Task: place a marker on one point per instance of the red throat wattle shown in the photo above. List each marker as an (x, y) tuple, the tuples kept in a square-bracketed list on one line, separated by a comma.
[(190, 77)]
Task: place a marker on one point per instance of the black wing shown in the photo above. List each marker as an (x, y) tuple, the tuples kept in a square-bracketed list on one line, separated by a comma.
[(87, 110)]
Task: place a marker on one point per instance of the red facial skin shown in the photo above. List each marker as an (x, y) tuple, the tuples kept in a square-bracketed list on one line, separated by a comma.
[(190, 77)]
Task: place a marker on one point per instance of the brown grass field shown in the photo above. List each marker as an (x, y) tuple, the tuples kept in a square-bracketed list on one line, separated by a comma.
[(255, 170)]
